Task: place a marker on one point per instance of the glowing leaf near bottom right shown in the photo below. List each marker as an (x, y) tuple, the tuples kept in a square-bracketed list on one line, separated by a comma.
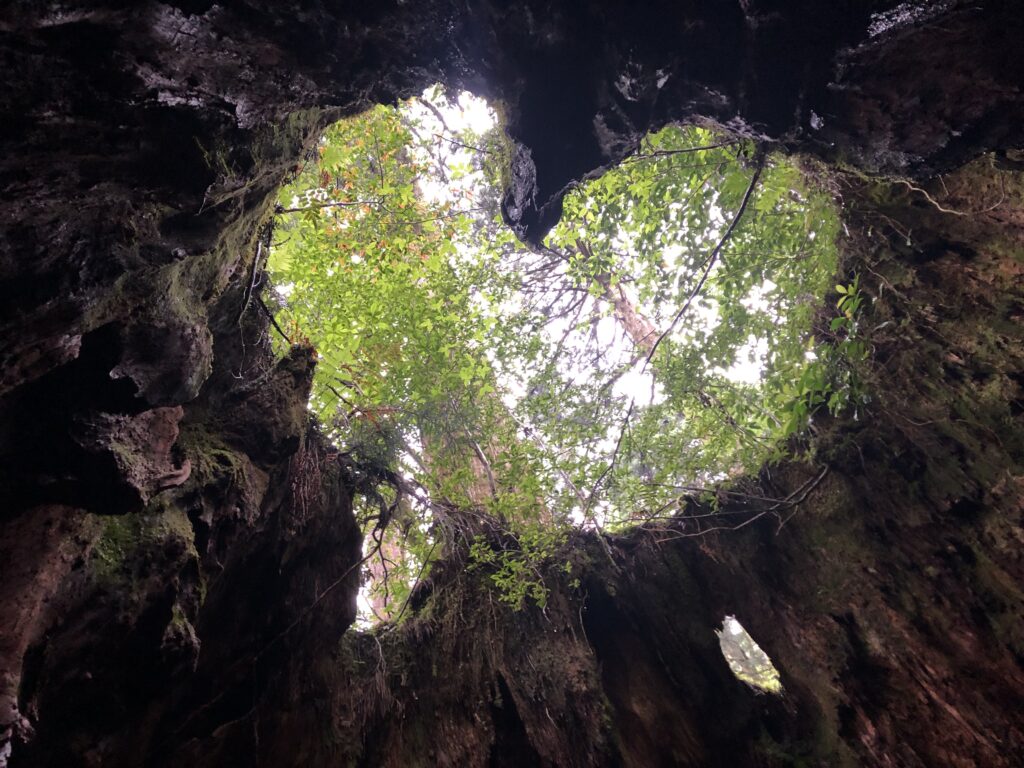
[(746, 659)]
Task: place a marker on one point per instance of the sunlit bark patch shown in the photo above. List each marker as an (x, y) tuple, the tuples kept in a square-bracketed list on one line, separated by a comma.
[(746, 658)]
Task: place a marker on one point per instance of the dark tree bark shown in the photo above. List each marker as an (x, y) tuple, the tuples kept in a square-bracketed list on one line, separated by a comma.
[(178, 554)]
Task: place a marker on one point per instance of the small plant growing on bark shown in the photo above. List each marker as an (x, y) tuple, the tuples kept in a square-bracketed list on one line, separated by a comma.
[(516, 568)]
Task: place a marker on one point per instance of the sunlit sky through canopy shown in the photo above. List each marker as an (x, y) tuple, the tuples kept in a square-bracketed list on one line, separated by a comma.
[(662, 339)]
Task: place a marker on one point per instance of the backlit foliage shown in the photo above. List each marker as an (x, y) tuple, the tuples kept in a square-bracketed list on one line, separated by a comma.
[(661, 340)]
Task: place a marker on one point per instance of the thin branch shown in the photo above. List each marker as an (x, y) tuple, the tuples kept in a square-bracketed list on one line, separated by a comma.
[(305, 611), (670, 152), (482, 458), (273, 320), (587, 513), (251, 287), (536, 436), (332, 204), (470, 147), (416, 583), (709, 263), (449, 215), (436, 112), (794, 499), (380, 161), (614, 458), (378, 537)]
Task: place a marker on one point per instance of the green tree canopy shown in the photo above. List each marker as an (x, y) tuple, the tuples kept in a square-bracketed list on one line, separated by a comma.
[(661, 341)]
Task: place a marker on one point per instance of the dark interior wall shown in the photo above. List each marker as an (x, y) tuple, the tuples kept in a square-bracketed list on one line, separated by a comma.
[(177, 550)]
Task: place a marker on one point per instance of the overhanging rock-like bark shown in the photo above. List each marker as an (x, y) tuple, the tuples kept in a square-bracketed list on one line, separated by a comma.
[(141, 145)]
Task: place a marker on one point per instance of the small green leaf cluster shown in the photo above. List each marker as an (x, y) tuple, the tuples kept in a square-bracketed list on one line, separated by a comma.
[(517, 566), (832, 377)]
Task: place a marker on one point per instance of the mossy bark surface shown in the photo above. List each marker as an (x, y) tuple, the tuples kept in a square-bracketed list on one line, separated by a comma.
[(178, 553)]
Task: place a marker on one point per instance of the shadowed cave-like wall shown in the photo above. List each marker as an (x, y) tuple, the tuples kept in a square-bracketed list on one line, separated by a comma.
[(177, 546)]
